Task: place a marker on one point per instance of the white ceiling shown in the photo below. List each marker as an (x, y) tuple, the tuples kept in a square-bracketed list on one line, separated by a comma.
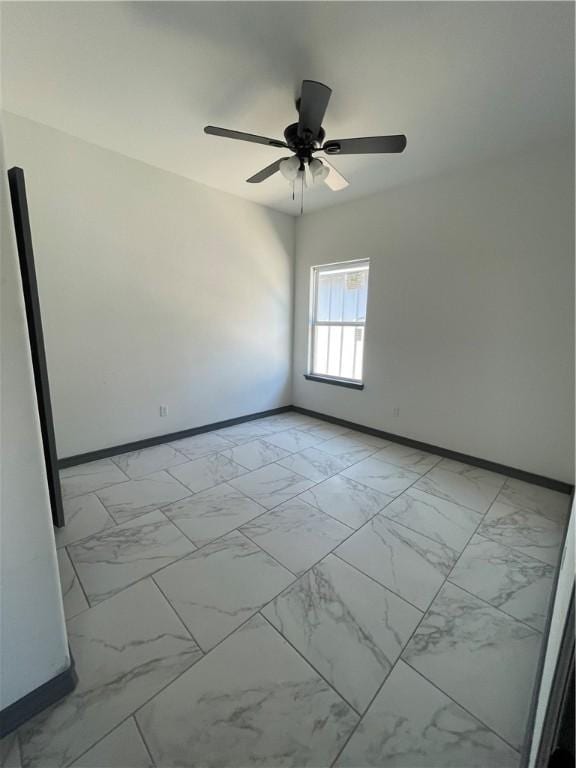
[(463, 80)]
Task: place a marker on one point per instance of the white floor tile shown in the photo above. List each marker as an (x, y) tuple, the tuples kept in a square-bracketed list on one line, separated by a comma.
[(251, 701), (257, 453), (347, 449), (296, 534), (112, 560), (382, 476), (219, 587), (528, 532), (84, 478), (438, 519), (84, 516), (243, 433), (349, 628), (471, 489), (482, 658), (271, 485), (516, 583), (140, 463), (212, 513), (412, 724), (314, 464), (123, 748), (208, 471), (346, 500), (135, 497), (552, 504), (196, 446), (408, 458), (72, 595), (473, 473), (411, 565), (294, 440), (10, 751), (126, 650)]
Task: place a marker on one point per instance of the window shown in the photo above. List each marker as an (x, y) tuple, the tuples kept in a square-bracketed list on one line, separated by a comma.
[(337, 320)]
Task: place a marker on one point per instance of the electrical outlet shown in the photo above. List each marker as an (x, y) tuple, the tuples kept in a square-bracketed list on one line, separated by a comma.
[(163, 410), (396, 412)]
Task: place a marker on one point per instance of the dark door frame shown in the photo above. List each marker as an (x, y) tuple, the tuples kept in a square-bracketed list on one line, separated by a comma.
[(36, 337)]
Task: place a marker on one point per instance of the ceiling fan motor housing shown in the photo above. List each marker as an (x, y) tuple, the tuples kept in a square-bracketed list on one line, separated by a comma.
[(303, 146)]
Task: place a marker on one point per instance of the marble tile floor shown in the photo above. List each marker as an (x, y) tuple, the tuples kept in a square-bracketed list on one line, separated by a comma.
[(288, 592)]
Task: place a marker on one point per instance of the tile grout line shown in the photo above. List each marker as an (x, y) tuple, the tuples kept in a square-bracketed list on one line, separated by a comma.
[(379, 583), (249, 618), (89, 604), (475, 717), (310, 568), (171, 522), (296, 576), (516, 550), (400, 656), (146, 747), (308, 662), (371, 702), (258, 545), (180, 619), (494, 607), (133, 713), (446, 581), (151, 577), (98, 741), (243, 533), (142, 578), (188, 554), (210, 453)]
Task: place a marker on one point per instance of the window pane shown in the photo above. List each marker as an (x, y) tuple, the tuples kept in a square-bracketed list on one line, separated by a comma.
[(355, 295), (330, 297), (338, 351), (347, 367), (334, 348), (359, 353), (320, 361), (342, 295)]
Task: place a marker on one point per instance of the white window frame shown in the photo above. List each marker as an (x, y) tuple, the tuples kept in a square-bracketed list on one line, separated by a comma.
[(312, 322)]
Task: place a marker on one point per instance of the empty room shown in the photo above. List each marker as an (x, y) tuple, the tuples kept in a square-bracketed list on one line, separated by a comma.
[(287, 384)]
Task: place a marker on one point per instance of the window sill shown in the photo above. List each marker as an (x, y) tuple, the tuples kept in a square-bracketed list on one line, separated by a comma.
[(335, 382)]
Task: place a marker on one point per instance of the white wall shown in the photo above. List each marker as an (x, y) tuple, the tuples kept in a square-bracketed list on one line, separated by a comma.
[(154, 290), (32, 631), (470, 325)]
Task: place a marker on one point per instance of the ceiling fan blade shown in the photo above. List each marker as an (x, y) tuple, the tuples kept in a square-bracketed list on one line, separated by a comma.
[(365, 145), (335, 181), (240, 136), (265, 172), (314, 99)]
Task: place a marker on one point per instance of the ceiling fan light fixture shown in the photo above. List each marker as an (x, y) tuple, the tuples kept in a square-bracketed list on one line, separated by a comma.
[(289, 168), (318, 170)]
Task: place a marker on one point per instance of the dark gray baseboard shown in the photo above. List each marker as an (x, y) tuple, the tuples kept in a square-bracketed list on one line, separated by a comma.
[(14, 715), (503, 469), (137, 445)]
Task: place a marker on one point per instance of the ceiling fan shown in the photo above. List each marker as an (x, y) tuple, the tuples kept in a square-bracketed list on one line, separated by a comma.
[(306, 137)]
